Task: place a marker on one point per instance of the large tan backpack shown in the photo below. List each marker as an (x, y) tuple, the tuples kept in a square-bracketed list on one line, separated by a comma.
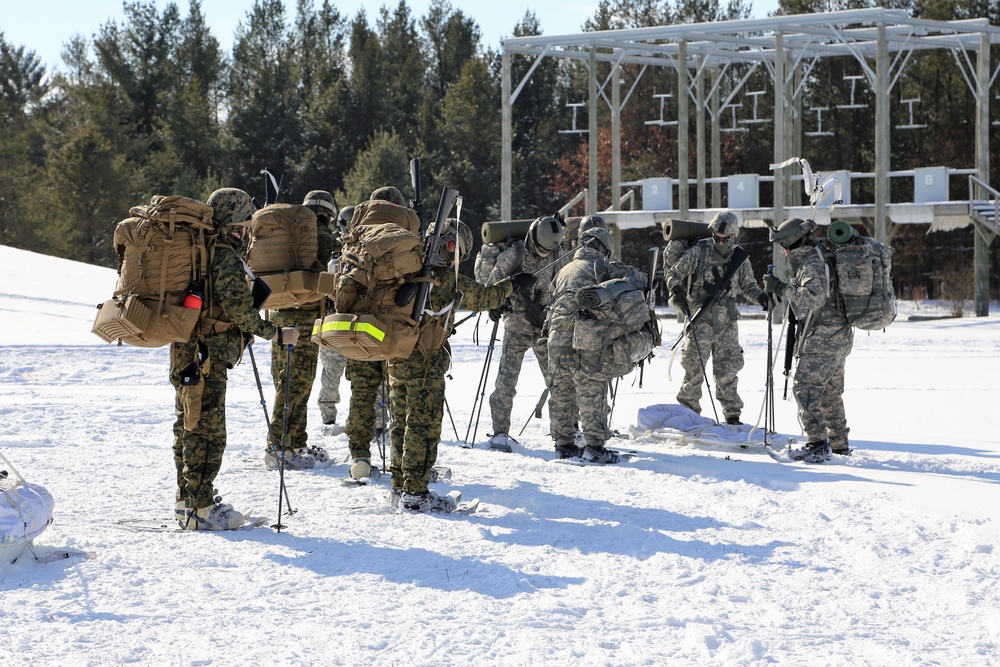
[(164, 253), (382, 253), (283, 252)]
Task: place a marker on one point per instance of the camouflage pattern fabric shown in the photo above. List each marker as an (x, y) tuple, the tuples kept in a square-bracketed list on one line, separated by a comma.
[(723, 348), (334, 364), (305, 355), (198, 450), (364, 416), (824, 344), (416, 397), (716, 336), (573, 395), (519, 334), (416, 384)]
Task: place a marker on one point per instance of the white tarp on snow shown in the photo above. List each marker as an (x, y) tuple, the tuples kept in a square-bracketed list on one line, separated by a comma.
[(683, 426)]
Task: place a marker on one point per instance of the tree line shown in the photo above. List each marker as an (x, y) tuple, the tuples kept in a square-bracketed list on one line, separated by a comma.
[(151, 104)]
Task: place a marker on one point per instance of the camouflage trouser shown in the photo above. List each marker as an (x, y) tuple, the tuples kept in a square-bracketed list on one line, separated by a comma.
[(573, 394), (416, 390), (367, 405), (723, 348), (304, 357), (333, 365), (198, 449), (515, 344), (819, 385)]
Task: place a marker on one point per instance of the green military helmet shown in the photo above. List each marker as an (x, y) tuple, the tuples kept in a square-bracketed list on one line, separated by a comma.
[(544, 235), (598, 239), (725, 224), (462, 238), (792, 233), (589, 222), (321, 202), (389, 194), (232, 206)]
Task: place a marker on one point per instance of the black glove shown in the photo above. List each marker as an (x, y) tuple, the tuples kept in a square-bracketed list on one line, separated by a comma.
[(772, 285), (522, 282), (764, 299), (678, 300), (497, 313)]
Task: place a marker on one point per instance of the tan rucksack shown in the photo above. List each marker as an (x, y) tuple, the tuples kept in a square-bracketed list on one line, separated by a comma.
[(382, 252), (283, 252), (164, 252)]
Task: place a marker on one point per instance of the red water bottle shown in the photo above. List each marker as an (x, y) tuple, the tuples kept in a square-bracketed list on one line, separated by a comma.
[(194, 298)]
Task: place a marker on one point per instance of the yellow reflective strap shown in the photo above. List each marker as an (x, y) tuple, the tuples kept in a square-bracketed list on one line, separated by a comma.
[(362, 327)]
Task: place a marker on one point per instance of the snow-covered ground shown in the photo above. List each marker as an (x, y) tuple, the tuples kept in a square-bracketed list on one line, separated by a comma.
[(683, 556)]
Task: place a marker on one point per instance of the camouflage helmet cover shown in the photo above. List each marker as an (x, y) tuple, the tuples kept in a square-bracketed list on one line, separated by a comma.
[(232, 206), (463, 238), (321, 201), (599, 239), (726, 224), (389, 194)]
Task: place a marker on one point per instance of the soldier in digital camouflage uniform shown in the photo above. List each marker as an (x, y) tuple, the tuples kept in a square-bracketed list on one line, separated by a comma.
[(824, 341), (715, 336), (299, 455), (416, 383), (523, 321), (332, 362), (369, 384), (199, 442), (574, 394)]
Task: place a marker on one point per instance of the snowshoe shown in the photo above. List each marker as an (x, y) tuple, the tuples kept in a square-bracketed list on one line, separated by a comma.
[(501, 442), (429, 501), (295, 459), (568, 450), (599, 455), (220, 516), (812, 452)]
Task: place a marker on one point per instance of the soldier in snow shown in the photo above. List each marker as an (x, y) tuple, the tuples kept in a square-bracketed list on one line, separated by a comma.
[(575, 395), (690, 282), (332, 362), (300, 455), (523, 321), (416, 383), (198, 450), (825, 340)]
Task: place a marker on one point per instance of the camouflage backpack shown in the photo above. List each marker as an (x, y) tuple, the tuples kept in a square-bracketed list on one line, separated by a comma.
[(612, 332), (382, 252), (164, 253), (284, 253), (862, 270)]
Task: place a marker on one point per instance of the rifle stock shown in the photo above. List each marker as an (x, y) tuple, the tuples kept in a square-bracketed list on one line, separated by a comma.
[(789, 348), (432, 247)]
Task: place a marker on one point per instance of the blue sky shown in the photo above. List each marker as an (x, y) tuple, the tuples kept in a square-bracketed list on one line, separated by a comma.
[(45, 25)]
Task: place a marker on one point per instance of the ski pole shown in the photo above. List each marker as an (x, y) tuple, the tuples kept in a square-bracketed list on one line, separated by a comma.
[(537, 412), (483, 379), (267, 419), (704, 371), (285, 438), (769, 417), (383, 404)]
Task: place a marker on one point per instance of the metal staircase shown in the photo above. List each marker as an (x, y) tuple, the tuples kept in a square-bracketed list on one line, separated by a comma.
[(984, 208)]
